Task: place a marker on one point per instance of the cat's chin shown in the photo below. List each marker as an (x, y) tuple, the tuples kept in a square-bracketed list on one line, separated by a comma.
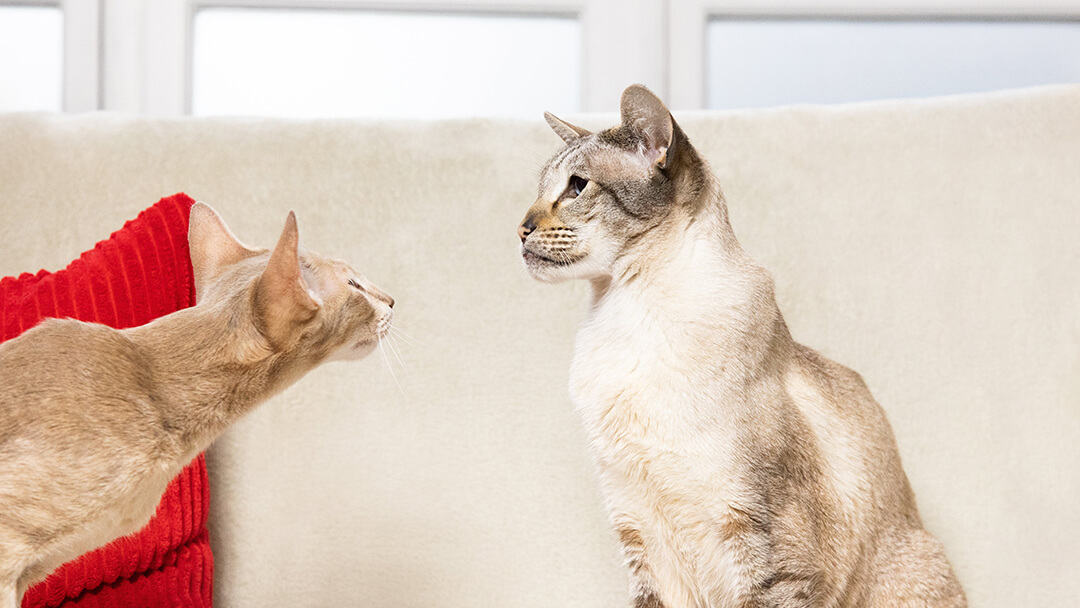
[(548, 270), (355, 352), (366, 345)]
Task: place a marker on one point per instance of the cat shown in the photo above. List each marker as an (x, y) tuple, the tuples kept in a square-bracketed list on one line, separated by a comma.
[(739, 467), (95, 422)]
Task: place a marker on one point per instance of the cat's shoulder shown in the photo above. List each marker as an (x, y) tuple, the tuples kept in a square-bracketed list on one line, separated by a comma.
[(67, 330), (827, 376), (820, 385), (55, 342)]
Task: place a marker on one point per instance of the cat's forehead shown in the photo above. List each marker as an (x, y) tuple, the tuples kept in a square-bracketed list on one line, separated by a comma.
[(319, 264), (605, 157)]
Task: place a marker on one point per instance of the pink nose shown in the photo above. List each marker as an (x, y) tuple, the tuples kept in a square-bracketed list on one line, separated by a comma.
[(526, 228)]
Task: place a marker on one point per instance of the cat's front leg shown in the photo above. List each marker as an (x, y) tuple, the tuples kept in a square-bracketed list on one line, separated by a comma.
[(643, 593)]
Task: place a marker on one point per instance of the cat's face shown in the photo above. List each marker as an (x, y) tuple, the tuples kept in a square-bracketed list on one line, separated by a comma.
[(354, 314), (601, 194), (296, 302)]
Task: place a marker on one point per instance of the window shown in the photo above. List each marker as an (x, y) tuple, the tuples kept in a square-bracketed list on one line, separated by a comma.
[(451, 58), (773, 62), (31, 44), (369, 64), (742, 53)]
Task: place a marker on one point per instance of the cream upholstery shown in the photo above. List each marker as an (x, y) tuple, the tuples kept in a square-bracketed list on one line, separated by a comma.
[(932, 245)]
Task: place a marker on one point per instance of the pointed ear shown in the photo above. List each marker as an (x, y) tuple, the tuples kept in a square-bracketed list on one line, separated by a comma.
[(283, 303), (648, 117), (211, 245), (565, 130)]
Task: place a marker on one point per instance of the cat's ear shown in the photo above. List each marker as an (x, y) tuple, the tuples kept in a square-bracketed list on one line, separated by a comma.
[(568, 132), (648, 117), (211, 245), (283, 302)]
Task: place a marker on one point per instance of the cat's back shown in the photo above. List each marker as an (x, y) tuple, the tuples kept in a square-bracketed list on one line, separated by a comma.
[(63, 348), (853, 435), (58, 370)]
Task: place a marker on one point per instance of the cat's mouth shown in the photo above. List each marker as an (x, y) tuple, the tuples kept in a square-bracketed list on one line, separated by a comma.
[(532, 258), (383, 326), (378, 332)]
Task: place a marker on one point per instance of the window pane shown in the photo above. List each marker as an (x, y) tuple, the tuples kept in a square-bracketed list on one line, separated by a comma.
[(763, 63), (31, 68), (333, 63)]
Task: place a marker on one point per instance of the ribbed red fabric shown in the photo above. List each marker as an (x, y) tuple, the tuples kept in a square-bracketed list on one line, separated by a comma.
[(143, 271)]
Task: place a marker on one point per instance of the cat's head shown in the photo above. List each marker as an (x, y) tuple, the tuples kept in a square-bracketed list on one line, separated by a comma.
[(291, 300), (605, 191)]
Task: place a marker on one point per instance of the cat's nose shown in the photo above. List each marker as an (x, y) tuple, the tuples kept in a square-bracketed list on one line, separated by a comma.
[(526, 227), (379, 295), (385, 297)]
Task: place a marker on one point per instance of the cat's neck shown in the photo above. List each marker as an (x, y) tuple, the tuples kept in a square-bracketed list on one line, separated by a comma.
[(212, 367), (695, 279), (694, 249)]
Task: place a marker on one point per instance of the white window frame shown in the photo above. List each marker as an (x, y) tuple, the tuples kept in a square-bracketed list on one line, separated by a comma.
[(135, 55), (143, 56), (690, 18), (147, 44)]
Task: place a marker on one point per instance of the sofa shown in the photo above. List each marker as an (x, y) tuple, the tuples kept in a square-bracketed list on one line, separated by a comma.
[(933, 245)]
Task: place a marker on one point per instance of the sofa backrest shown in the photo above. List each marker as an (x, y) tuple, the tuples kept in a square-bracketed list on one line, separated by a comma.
[(931, 245)]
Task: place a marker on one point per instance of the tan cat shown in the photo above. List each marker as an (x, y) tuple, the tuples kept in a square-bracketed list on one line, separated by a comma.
[(741, 469), (94, 421)]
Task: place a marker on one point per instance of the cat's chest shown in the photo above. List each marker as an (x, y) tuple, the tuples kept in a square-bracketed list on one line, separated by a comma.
[(127, 510), (662, 414), (649, 400)]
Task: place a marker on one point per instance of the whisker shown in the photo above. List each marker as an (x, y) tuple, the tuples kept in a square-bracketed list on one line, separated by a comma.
[(397, 331), (394, 350), (391, 368)]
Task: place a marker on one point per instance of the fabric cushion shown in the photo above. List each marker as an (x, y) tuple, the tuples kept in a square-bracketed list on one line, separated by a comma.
[(141, 272)]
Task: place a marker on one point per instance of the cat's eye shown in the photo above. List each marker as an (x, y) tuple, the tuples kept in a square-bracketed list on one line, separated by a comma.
[(354, 283), (577, 184)]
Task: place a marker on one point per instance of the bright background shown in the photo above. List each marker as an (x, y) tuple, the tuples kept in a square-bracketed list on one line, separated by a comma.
[(449, 58), (423, 59)]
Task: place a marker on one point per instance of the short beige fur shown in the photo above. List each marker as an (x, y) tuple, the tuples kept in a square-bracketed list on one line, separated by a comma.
[(740, 468), (95, 422)]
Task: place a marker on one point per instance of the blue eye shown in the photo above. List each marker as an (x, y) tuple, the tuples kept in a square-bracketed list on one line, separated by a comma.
[(577, 184)]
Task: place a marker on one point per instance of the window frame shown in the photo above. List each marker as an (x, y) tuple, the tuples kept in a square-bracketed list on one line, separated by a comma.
[(147, 46), (135, 55), (690, 18)]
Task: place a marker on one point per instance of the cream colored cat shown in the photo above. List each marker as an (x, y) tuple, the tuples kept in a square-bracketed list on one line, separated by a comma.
[(94, 422), (741, 469)]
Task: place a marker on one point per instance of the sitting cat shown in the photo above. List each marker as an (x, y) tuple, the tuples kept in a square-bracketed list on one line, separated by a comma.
[(739, 467), (95, 422)]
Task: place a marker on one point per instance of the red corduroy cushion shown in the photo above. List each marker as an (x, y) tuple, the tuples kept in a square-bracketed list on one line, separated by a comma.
[(143, 271)]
